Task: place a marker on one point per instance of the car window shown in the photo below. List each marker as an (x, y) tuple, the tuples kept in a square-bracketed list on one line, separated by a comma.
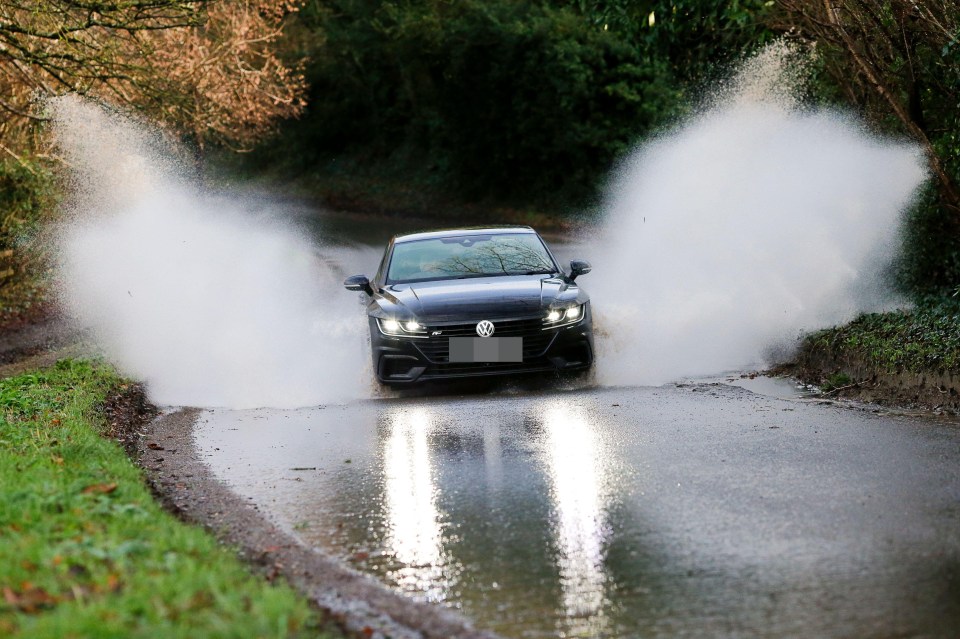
[(469, 256), (383, 265)]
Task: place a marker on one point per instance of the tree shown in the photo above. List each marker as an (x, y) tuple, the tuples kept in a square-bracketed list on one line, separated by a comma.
[(205, 68), (483, 100), (694, 35), (898, 58)]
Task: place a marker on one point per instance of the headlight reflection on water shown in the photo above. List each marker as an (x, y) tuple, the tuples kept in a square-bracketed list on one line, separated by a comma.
[(414, 533), (577, 474), (426, 559)]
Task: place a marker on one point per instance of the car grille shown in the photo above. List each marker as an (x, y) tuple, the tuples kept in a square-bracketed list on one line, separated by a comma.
[(535, 339), (486, 368)]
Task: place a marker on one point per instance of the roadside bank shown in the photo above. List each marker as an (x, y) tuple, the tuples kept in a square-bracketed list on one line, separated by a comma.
[(908, 358), (86, 551)]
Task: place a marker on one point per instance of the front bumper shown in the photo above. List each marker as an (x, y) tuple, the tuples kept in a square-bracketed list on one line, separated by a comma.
[(405, 360)]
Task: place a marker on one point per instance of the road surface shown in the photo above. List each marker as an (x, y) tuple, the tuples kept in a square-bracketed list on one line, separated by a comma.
[(684, 510)]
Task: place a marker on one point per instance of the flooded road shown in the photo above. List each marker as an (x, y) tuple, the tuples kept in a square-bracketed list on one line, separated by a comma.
[(549, 510), (671, 511)]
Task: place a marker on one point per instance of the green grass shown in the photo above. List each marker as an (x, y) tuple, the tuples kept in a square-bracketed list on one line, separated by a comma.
[(922, 340), (85, 551)]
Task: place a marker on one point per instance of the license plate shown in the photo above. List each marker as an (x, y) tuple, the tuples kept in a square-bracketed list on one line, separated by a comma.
[(486, 349)]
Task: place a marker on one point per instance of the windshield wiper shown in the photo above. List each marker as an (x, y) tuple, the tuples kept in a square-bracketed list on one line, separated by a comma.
[(501, 274)]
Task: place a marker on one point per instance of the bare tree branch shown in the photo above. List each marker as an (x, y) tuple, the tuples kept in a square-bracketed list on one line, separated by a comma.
[(206, 68), (875, 44)]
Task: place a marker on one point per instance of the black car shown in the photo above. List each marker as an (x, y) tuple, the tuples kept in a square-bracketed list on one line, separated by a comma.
[(474, 301)]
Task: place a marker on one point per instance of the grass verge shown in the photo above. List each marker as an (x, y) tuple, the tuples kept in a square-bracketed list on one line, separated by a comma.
[(85, 551)]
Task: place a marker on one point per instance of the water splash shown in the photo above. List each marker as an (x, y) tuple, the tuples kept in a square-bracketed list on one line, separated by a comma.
[(725, 238), (753, 221), (207, 303)]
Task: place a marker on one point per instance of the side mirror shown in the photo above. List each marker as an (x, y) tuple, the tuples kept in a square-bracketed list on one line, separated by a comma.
[(577, 268), (358, 283)]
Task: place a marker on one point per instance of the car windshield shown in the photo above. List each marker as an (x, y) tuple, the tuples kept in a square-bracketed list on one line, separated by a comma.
[(465, 256)]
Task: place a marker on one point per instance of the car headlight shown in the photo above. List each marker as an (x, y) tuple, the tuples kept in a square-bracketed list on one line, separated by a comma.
[(563, 316), (390, 326), (402, 328)]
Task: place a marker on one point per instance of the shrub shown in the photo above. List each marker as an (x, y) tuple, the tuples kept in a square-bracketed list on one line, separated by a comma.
[(27, 196), (495, 100), (929, 262)]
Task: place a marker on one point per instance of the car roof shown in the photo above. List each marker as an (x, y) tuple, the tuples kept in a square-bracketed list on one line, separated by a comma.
[(465, 230)]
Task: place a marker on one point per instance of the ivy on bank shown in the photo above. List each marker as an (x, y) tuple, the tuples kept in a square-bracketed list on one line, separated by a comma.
[(924, 339)]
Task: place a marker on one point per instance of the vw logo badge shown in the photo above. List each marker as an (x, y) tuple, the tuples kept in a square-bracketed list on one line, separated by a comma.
[(485, 328)]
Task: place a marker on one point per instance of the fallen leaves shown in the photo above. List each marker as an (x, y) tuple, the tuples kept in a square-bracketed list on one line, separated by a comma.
[(113, 583), (29, 598), (32, 599), (100, 489)]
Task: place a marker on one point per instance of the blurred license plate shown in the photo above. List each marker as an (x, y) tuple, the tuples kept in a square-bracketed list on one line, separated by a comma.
[(486, 349)]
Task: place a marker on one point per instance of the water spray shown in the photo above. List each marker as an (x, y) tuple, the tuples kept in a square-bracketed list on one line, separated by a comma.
[(748, 224), (754, 221), (205, 302)]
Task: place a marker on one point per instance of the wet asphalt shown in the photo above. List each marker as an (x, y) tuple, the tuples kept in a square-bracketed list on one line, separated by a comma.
[(559, 511)]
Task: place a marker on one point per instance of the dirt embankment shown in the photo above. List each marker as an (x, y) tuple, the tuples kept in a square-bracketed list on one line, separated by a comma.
[(844, 374)]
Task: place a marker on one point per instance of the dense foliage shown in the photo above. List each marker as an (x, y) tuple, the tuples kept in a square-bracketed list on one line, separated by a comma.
[(695, 36), (207, 70), (531, 103), (497, 102), (27, 196), (929, 261), (523, 102)]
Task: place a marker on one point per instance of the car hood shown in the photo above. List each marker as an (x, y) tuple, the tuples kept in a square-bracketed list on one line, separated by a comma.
[(503, 296)]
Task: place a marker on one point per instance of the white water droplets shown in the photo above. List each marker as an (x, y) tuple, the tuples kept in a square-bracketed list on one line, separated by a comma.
[(208, 304), (753, 221)]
